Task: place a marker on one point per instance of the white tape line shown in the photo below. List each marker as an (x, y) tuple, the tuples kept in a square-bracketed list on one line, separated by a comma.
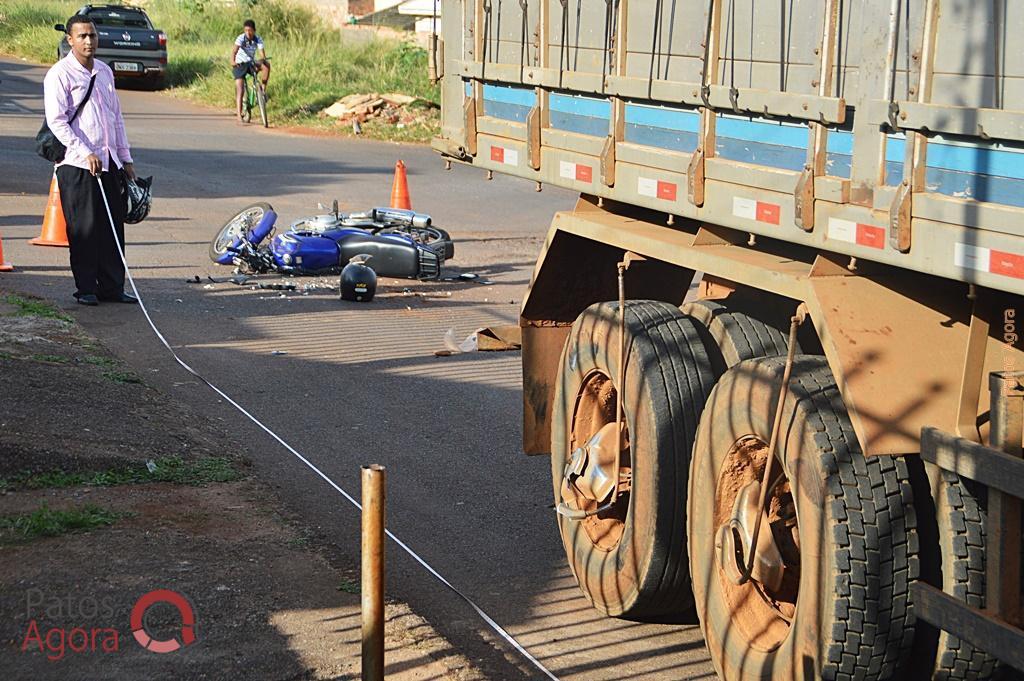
[(483, 615)]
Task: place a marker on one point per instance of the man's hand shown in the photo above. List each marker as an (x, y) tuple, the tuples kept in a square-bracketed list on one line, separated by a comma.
[(95, 164), (129, 170)]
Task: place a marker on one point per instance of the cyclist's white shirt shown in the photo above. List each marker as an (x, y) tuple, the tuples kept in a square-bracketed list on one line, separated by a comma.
[(247, 48)]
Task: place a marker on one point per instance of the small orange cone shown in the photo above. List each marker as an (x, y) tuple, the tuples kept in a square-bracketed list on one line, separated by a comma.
[(400, 189), (4, 267), (55, 231)]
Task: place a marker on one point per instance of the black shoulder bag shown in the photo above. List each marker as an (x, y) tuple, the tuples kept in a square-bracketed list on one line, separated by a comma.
[(47, 144)]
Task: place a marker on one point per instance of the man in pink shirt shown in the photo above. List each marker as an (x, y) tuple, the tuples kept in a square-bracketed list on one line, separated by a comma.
[(97, 147)]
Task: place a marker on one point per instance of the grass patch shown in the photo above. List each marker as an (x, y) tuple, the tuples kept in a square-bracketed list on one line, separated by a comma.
[(169, 469), (313, 63), (49, 359), (350, 587), (47, 522), (31, 307), (122, 377), (96, 360)]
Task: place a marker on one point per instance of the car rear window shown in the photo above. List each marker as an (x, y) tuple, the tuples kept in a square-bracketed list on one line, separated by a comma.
[(120, 18)]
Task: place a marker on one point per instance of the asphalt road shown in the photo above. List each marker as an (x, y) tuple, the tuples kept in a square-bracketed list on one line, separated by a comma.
[(359, 383)]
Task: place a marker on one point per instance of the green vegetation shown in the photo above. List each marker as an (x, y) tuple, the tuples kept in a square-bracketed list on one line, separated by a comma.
[(313, 64), (122, 377), (47, 522), (168, 469), (350, 587), (35, 308), (49, 359)]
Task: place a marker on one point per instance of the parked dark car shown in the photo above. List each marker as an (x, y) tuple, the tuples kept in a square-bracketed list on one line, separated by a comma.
[(128, 43)]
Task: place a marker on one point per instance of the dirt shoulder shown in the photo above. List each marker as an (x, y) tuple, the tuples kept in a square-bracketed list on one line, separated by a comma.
[(110, 490)]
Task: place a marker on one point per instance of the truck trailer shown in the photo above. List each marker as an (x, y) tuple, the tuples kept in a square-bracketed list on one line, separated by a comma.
[(774, 352)]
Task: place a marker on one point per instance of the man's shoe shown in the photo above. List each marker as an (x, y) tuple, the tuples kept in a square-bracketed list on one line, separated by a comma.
[(123, 298), (87, 299)]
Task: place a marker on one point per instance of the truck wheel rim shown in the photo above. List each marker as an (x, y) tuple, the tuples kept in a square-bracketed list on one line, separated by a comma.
[(763, 615), (595, 409)]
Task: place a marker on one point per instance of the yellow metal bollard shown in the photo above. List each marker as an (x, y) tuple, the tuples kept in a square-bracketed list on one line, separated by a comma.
[(374, 498)]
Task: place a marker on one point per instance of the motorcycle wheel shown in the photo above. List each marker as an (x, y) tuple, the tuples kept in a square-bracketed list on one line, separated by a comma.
[(235, 229), (431, 237)]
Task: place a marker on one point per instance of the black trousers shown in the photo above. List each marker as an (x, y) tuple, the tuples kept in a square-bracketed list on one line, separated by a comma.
[(94, 259)]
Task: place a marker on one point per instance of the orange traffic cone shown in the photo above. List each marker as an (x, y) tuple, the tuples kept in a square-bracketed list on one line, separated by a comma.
[(400, 189), (55, 231), (4, 267)]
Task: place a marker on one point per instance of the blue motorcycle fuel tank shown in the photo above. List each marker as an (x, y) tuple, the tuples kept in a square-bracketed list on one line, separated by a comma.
[(304, 251)]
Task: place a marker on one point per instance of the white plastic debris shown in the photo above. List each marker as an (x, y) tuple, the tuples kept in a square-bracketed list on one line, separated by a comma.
[(467, 345), (151, 466)]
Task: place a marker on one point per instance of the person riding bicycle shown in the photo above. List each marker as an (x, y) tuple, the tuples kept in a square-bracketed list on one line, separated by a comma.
[(243, 54)]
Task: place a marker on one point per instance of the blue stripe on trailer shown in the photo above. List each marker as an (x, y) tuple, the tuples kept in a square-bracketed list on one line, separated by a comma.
[(510, 95), (682, 120), (772, 155), (762, 132), (662, 127), (840, 142), (580, 106), (507, 112), (582, 115), (996, 159), (661, 138), (990, 173), (766, 143), (583, 125), (988, 188), (838, 165)]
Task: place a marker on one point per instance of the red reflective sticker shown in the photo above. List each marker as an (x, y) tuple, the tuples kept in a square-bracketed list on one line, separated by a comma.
[(768, 212), (584, 173), (498, 154), (666, 190), (1006, 264), (871, 236)]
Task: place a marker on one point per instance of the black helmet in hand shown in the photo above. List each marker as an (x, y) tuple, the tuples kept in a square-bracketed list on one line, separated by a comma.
[(358, 280), (140, 199)]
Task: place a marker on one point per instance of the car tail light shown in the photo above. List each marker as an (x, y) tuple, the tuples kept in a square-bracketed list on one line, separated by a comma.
[(162, 39), (161, 60)]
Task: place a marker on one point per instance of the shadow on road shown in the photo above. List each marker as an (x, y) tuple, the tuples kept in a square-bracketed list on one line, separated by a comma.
[(359, 382)]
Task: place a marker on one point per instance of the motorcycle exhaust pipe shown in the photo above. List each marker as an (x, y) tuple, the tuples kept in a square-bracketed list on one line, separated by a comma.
[(401, 216)]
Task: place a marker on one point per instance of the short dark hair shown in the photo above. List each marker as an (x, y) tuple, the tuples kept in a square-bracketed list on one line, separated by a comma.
[(249, 23), (77, 19)]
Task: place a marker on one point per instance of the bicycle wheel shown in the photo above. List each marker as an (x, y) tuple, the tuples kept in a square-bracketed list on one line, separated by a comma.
[(261, 99), (247, 102)]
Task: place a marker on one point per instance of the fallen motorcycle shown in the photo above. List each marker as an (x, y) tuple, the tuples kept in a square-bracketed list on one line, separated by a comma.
[(401, 243)]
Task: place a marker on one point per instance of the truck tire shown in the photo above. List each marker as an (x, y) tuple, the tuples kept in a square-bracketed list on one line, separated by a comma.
[(738, 334), (631, 561), (960, 520), (844, 527)]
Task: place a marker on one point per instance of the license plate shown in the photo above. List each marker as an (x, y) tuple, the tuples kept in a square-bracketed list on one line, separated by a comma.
[(127, 66)]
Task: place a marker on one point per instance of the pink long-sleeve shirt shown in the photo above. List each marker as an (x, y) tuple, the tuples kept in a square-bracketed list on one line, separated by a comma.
[(99, 127)]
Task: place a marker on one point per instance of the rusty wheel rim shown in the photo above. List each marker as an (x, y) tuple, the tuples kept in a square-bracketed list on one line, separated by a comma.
[(595, 408), (762, 615)]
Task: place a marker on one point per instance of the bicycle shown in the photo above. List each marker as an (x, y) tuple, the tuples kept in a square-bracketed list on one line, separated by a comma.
[(254, 94)]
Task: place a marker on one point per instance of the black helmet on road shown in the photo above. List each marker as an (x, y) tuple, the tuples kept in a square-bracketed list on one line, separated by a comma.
[(140, 199), (358, 280)]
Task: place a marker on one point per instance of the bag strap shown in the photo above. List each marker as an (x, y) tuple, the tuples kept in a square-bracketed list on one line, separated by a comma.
[(85, 99)]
